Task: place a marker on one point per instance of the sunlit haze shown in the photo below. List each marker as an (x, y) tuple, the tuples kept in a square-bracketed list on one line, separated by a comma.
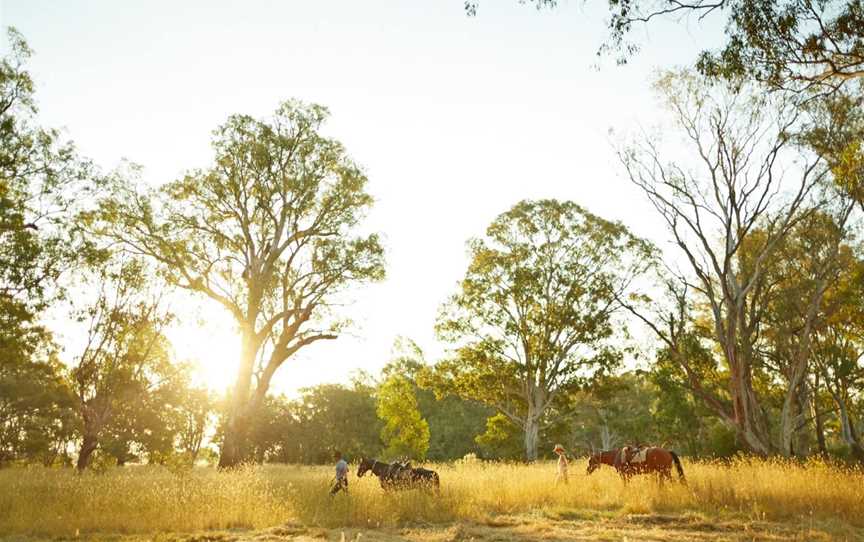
[(454, 119)]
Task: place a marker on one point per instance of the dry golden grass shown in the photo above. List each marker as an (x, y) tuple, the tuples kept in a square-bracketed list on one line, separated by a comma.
[(718, 502)]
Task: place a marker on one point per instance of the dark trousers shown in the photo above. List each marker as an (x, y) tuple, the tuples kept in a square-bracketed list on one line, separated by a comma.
[(340, 485)]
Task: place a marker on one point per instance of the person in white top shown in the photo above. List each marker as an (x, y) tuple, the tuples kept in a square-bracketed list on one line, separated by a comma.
[(561, 477)]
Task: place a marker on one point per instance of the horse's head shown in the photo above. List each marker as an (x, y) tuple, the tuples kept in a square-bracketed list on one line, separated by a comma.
[(364, 466), (593, 463)]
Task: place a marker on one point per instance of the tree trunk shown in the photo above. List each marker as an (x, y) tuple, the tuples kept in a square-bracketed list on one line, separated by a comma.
[(532, 433), (817, 418), (88, 446), (234, 443), (790, 418), (849, 434), (607, 438), (820, 435), (195, 449), (93, 419), (804, 443), (536, 398), (749, 421)]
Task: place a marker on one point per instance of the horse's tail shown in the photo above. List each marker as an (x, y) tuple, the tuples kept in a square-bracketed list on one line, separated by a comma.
[(677, 465)]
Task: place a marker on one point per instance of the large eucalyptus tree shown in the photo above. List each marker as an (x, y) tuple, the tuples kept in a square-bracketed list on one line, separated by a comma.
[(534, 314), (269, 232), (747, 186)]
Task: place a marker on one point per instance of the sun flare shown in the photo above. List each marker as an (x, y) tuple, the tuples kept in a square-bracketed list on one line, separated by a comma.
[(212, 346)]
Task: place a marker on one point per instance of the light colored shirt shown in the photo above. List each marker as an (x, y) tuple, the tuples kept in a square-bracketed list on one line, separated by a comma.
[(562, 469), (341, 469)]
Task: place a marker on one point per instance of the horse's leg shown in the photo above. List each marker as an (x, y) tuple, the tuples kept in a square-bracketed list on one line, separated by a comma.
[(665, 474), (625, 476)]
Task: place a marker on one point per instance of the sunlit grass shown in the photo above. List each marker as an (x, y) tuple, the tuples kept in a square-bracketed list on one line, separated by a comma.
[(41, 501)]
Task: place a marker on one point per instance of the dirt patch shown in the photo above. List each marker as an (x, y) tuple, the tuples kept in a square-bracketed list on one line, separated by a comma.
[(644, 527), (576, 527)]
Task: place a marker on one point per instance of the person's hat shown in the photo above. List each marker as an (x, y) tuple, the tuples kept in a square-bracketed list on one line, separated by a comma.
[(558, 448)]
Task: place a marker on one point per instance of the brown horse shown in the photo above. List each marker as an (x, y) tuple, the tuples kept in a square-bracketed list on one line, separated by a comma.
[(631, 461)]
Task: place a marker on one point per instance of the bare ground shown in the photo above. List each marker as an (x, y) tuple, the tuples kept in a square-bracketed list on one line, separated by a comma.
[(649, 528), (641, 527)]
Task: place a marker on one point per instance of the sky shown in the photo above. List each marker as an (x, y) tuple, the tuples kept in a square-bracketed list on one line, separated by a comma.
[(454, 119)]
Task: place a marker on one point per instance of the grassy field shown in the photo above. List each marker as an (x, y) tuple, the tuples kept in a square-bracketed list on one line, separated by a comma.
[(745, 500)]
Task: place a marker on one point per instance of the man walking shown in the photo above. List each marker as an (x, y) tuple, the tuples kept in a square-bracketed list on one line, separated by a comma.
[(341, 475)]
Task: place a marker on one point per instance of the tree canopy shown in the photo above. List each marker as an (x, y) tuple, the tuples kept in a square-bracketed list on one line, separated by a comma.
[(795, 45), (268, 232), (534, 314)]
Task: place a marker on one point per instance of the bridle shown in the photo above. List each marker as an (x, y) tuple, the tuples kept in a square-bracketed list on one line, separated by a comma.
[(371, 469)]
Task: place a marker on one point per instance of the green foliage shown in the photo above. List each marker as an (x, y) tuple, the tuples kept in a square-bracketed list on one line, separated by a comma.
[(338, 418), (835, 132), (36, 416), (453, 421), (323, 419), (683, 421), (277, 189), (792, 44), (165, 425), (41, 180), (788, 44), (405, 432), (502, 439), (453, 424), (268, 232), (613, 412), (123, 376), (192, 416), (534, 313)]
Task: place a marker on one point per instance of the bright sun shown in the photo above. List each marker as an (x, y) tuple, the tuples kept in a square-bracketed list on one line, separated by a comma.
[(211, 344)]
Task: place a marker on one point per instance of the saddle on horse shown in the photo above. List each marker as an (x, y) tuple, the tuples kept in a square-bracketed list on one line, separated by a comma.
[(399, 471), (634, 454)]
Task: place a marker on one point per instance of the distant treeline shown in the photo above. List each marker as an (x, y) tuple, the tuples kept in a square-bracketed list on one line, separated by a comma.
[(627, 408)]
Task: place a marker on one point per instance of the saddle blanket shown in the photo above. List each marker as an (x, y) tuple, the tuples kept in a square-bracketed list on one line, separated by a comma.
[(640, 456)]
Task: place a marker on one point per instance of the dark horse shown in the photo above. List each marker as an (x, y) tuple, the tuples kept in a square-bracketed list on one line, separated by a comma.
[(631, 461), (399, 475)]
